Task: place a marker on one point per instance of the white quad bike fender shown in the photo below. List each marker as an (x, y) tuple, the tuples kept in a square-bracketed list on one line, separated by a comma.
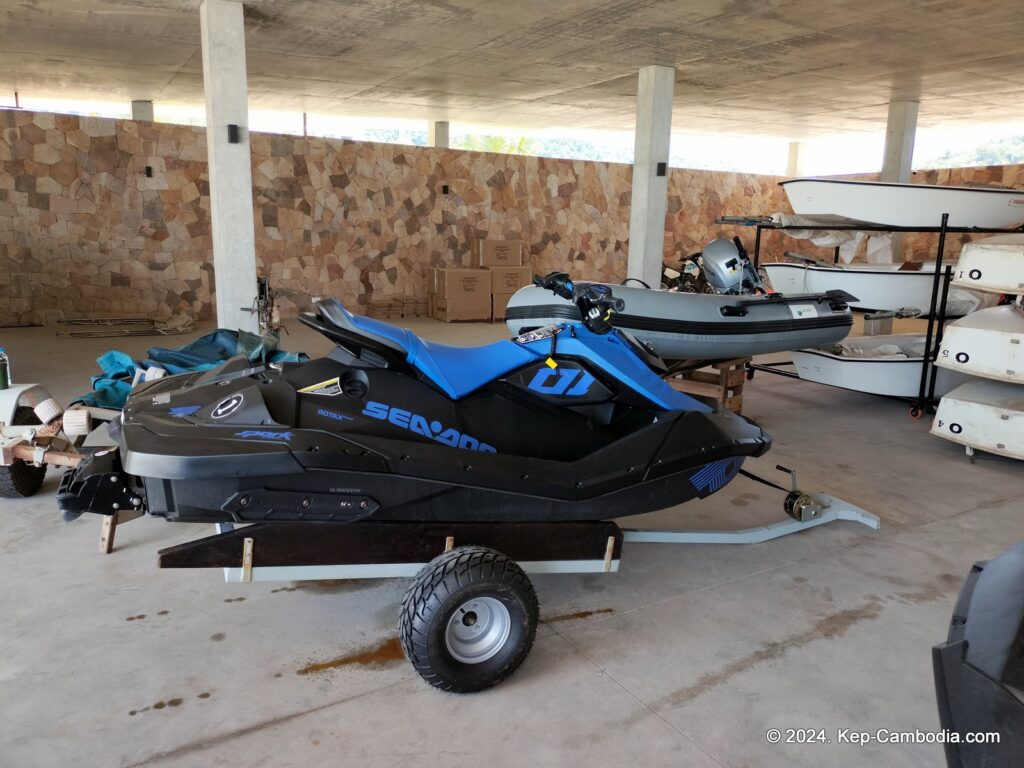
[(34, 396)]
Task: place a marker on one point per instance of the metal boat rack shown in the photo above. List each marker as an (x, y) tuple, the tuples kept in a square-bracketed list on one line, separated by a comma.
[(272, 551), (925, 401)]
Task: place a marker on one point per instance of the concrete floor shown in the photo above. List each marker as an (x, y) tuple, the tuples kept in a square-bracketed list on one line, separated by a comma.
[(686, 657)]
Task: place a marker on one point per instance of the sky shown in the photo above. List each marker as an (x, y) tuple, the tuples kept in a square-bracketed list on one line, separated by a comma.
[(820, 156)]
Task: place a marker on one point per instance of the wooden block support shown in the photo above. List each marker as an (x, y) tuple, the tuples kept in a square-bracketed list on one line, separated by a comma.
[(724, 382), (109, 527)]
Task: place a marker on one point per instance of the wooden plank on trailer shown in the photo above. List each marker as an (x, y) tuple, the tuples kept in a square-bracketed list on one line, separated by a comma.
[(285, 544)]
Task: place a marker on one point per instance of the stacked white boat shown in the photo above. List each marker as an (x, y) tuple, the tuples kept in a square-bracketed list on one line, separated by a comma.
[(895, 365), (987, 412)]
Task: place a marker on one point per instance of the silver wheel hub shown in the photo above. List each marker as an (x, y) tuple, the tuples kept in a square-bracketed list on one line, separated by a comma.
[(478, 630)]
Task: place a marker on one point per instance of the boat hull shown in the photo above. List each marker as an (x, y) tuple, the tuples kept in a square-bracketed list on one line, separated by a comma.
[(877, 287), (984, 415), (692, 326), (905, 205), (891, 376), (995, 264), (988, 343)]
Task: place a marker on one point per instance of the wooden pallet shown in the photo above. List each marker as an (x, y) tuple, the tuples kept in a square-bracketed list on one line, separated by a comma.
[(724, 382), (389, 309)]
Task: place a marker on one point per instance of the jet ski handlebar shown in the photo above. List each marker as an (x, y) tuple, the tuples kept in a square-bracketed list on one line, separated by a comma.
[(594, 300)]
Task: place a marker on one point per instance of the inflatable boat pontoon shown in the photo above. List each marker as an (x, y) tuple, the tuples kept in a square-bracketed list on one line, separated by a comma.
[(701, 326)]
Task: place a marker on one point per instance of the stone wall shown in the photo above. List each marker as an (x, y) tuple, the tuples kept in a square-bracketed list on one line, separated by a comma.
[(103, 217), (87, 230)]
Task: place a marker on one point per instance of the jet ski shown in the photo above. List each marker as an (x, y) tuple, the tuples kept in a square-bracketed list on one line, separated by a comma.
[(718, 308), (569, 422)]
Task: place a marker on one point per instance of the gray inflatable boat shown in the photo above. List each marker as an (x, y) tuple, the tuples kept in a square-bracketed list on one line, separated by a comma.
[(703, 326)]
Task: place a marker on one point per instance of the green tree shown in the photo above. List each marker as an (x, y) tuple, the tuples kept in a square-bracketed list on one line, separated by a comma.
[(497, 144)]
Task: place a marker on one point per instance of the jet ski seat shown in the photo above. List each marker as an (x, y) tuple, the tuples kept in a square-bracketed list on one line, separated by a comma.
[(457, 371)]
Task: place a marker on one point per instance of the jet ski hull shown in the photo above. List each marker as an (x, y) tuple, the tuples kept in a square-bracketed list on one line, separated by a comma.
[(698, 326), (680, 459), (563, 424)]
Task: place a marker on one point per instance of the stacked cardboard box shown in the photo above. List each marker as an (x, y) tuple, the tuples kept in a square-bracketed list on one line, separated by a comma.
[(482, 291), (498, 253), (504, 282), (461, 294)]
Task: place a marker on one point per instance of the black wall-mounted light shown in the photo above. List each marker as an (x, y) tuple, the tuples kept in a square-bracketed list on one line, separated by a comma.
[(234, 134), (662, 169)]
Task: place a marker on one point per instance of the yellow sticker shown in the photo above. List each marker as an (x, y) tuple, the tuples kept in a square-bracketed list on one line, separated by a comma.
[(329, 387), (551, 362)]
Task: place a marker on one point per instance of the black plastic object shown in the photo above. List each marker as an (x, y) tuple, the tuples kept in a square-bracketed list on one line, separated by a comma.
[(595, 301), (556, 282), (234, 134), (979, 670), (103, 489)]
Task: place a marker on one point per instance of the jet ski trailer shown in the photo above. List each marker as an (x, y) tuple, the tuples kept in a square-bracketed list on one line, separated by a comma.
[(702, 326), (466, 468), (444, 560)]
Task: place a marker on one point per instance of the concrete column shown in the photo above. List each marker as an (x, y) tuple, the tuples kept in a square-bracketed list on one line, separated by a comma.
[(899, 141), (900, 128), (793, 160), (437, 134), (227, 147), (650, 173), (142, 110)]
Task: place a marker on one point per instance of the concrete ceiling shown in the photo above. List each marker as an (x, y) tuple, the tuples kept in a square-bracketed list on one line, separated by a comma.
[(786, 68)]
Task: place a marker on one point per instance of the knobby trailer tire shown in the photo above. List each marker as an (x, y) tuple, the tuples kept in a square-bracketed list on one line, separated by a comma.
[(446, 585)]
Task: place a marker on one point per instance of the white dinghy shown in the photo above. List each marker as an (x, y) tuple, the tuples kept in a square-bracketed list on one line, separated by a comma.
[(906, 205), (984, 415), (987, 343), (887, 365), (995, 264), (878, 287)]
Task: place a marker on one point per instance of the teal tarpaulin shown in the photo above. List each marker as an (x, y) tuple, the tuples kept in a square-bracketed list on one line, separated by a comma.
[(110, 389)]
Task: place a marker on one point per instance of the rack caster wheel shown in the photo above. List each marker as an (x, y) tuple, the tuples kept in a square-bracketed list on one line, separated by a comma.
[(916, 413), (749, 374), (468, 620)]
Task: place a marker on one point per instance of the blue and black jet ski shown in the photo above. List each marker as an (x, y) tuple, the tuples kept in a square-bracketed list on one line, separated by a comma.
[(569, 422)]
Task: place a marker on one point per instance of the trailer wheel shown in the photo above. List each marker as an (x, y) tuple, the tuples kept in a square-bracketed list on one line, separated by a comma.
[(468, 620), (21, 479)]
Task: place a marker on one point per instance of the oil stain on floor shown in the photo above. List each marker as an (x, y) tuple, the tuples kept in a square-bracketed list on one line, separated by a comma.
[(382, 654), (577, 615), (329, 586), (170, 703)]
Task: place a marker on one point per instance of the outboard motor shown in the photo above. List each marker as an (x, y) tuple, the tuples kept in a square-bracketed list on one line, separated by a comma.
[(728, 269)]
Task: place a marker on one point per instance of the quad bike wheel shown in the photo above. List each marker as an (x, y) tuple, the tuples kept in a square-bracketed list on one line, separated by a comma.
[(21, 479), (468, 620)]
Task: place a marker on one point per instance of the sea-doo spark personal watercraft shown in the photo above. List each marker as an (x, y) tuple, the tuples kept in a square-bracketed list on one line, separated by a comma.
[(570, 422)]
